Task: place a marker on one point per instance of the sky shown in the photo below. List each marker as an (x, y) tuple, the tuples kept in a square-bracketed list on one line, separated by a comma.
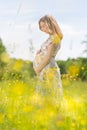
[(19, 26)]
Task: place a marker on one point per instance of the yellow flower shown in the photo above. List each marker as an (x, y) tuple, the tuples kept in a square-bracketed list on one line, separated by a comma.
[(27, 108), (42, 116), (18, 65), (36, 99), (5, 57), (10, 116), (55, 38), (73, 124), (73, 70), (83, 122), (19, 88), (2, 116), (66, 82), (82, 68), (84, 129), (60, 123)]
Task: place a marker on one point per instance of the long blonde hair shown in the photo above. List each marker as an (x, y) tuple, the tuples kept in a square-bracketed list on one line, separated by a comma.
[(52, 24)]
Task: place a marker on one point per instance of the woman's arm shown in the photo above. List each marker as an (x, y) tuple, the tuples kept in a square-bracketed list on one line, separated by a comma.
[(60, 32), (46, 58)]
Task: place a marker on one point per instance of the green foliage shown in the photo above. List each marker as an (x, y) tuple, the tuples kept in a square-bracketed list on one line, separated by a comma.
[(2, 64), (14, 75), (18, 69), (28, 69), (75, 68), (2, 47), (62, 66), (83, 69)]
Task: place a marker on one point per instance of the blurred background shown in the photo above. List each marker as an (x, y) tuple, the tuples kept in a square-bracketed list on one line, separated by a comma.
[(20, 32)]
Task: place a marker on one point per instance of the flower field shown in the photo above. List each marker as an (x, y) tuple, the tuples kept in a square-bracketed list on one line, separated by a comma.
[(24, 106)]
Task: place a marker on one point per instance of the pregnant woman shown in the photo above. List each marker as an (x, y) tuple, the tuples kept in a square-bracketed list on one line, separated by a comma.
[(44, 63)]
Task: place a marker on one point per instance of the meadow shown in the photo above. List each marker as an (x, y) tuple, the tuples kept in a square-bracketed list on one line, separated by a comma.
[(23, 107), (28, 104)]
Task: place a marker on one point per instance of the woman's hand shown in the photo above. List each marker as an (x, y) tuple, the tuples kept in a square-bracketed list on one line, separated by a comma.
[(46, 59)]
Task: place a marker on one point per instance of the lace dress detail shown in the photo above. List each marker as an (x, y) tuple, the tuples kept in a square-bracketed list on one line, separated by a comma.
[(51, 67)]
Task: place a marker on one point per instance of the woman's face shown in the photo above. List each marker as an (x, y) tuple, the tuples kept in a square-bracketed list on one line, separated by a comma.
[(45, 28)]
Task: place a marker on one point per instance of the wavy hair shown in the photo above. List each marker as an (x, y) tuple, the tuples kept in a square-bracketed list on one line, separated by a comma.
[(52, 24)]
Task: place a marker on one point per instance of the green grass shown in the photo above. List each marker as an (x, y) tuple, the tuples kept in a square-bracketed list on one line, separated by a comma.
[(25, 107)]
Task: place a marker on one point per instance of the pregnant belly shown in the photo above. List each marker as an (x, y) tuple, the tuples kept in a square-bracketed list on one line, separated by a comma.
[(38, 59)]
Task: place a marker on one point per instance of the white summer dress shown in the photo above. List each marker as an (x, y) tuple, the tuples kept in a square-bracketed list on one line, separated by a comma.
[(51, 70)]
